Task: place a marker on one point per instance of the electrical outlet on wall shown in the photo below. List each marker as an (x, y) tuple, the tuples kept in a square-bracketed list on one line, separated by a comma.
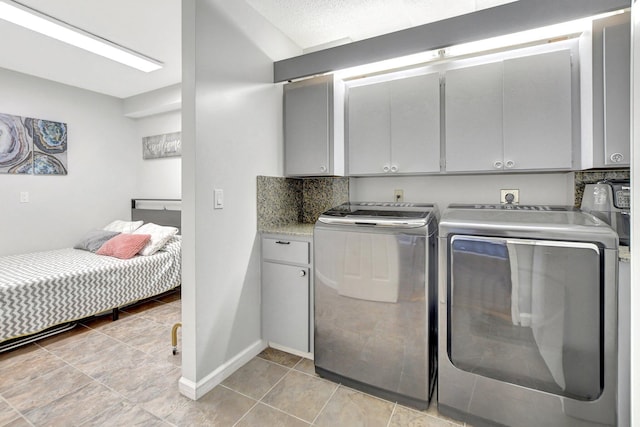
[(398, 195), (510, 196)]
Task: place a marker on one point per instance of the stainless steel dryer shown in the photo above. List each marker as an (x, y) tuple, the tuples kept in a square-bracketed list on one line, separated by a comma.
[(527, 316), (375, 299)]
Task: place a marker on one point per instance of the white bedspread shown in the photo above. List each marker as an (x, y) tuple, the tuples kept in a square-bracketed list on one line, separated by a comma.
[(44, 289)]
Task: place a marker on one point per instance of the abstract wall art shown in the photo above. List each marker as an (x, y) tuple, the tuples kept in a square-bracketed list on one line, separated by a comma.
[(165, 145), (32, 146)]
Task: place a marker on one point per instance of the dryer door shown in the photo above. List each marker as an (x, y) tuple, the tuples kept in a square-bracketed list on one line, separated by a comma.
[(528, 312)]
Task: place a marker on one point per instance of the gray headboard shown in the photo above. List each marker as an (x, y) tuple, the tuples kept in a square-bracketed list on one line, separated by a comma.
[(158, 211)]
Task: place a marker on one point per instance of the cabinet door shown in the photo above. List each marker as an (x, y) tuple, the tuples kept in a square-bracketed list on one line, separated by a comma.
[(616, 42), (307, 127), (415, 124), (473, 118), (369, 129), (285, 305), (537, 111)]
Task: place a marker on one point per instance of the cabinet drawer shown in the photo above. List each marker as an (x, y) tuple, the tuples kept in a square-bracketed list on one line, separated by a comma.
[(285, 250)]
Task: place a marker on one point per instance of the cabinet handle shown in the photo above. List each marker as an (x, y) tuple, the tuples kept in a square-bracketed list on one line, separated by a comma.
[(497, 164), (280, 242), (385, 168), (394, 168), (303, 273), (616, 157), (509, 164), (323, 168)]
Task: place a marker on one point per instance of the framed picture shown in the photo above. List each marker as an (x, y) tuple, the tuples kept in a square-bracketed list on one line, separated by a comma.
[(32, 146), (159, 146)]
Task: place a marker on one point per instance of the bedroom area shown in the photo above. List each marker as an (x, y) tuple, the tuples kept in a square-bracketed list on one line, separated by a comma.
[(57, 214), (159, 261)]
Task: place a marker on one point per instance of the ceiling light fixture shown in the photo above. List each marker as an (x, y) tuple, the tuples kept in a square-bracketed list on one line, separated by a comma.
[(575, 27), (387, 64), (44, 24), (495, 43)]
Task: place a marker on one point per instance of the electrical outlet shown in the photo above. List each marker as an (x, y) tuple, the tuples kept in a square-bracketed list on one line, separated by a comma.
[(398, 195), (510, 196)]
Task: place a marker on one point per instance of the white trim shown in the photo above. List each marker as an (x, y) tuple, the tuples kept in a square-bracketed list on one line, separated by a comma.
[(291, 350), (187, 388), (195, 391)]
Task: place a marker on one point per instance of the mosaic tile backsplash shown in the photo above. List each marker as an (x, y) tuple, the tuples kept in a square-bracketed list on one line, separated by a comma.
[(321, 194), (592, 177), (279, 201), (284, 201)]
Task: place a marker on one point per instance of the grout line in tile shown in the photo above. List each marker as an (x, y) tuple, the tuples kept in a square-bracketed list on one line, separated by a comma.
[(285, 412), (326, 403), (393, 412), (246, 413), (124, 342), (24, 414), (298, 362), (268, 391), (263, 396), (93, 380), (19, 413)]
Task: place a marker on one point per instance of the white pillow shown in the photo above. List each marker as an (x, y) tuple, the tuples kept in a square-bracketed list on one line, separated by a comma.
[(123, 226), (160, 235)]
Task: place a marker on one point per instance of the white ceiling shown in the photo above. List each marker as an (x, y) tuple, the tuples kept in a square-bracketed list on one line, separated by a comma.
[(153, 28), (318, 23)]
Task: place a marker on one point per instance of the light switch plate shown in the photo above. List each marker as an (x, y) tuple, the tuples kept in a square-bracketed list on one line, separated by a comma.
[(218, 199), (24, 197)]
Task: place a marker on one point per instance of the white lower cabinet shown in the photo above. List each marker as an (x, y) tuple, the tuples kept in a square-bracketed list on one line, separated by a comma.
[(287, 320)]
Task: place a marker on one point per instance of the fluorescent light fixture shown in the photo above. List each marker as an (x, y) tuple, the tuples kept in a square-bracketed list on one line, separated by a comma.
[(36, 21), (388, 64), (494, 43), (549, 32)]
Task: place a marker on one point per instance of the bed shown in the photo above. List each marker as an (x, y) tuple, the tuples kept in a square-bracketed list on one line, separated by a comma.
[(43, 290)]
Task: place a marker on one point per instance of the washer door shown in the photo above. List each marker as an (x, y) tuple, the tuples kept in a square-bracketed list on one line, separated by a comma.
[(528, 312)]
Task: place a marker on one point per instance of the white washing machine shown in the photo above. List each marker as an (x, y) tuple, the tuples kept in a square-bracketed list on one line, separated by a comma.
[(527, 316)]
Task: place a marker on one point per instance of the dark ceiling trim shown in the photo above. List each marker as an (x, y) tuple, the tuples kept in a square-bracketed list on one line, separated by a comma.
[(505, 19)]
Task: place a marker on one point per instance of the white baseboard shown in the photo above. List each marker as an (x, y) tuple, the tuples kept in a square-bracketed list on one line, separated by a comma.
[(195, 391), (291, 350)]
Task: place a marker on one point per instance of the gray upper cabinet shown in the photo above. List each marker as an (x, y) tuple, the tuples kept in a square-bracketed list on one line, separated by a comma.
[(394, 126), (616, 91), (514, 114), (605, 93), (369, 127), (473, 118), (313, 130), (537, 112)]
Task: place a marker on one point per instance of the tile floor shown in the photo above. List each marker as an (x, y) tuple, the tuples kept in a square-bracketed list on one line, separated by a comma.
[(123, 373)]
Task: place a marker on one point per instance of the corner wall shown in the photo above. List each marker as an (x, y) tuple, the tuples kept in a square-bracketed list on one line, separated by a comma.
[(231, 128), (101, 176)]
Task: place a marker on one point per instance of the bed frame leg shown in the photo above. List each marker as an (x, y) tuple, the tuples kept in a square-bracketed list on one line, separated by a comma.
[(115, 315)]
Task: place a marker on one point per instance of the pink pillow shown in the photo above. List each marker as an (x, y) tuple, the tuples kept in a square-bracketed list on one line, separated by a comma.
[(124, 246)]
